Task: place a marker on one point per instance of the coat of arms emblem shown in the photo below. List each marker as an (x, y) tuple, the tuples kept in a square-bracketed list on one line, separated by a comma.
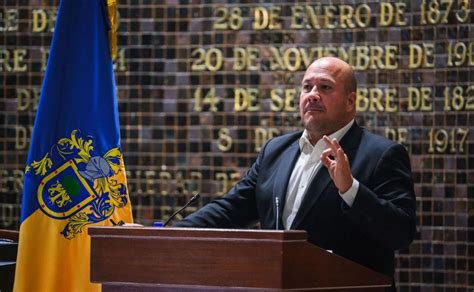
[(77, 186)]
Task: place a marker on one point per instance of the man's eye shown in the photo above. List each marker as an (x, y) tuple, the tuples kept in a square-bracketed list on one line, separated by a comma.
[(325, 87), (306, 88)]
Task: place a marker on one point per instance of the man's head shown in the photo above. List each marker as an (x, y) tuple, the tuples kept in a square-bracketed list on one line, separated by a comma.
[(328, 97)]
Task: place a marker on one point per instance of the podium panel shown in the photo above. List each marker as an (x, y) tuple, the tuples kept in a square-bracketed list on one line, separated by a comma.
[(166, 259)]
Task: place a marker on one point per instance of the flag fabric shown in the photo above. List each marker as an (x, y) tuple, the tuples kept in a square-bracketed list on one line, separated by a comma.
[(75, 175)]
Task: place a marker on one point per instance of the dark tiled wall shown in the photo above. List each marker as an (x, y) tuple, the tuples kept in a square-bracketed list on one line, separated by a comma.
[(184, 130)]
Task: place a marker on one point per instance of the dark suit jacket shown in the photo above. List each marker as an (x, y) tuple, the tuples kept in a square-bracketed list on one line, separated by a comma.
[(381, 219)]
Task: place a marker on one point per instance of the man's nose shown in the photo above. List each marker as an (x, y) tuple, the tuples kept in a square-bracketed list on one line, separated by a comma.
[(314, 94)]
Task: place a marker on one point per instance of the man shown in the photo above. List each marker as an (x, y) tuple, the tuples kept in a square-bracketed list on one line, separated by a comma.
[(355, 198)]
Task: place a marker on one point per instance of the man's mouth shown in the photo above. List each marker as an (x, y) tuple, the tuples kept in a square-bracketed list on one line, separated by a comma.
[(313, 108)]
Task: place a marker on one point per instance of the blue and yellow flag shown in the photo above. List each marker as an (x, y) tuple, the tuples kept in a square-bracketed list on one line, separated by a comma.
[(75, 176)]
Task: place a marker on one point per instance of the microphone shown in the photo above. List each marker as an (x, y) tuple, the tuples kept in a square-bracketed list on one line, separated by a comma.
[(192, 200), (277, 203)]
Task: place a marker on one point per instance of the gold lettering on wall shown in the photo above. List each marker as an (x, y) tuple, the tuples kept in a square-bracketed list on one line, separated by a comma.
[(447, 140), (150, 182), (8, 215), (206, 59), (11, 181), (9, 20), (44, 58), (434, 12), (3, 180), (43, 20), (246, 99), (165, 182), (376, 100), (399, 135), (330, 16), (458, 99), (262, 134), (22, 137), (359, 57), (13, 60), (293, 59), (460, 54), (421, 56), (419, 99), (392, 14), (464, 9), (208, 103), (225, 140), (18, 60), (266, 18), (180, 184), (227, 18), (245, 59), (347, 13), (18, 180), (362, 15), (27, 99), (283, 100), (195, 184)]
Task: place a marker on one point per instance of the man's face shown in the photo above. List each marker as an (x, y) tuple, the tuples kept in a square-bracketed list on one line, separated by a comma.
[(325, 105)]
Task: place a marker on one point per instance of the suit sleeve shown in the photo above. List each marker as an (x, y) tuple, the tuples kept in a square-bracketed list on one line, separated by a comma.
[(237, 209), (385, 209)]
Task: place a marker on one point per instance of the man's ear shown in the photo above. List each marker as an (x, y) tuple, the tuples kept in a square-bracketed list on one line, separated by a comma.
[(351, 101)]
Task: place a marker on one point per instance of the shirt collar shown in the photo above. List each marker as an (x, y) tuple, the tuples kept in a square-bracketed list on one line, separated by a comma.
[(338, 135)]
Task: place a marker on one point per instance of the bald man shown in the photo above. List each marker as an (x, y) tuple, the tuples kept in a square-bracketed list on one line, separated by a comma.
[(351, 190)]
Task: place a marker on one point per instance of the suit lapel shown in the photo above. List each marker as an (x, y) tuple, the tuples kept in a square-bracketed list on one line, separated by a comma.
[(321, 180), (283, 176)]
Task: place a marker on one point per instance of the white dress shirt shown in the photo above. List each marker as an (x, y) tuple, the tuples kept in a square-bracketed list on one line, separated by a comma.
[(305, 169)]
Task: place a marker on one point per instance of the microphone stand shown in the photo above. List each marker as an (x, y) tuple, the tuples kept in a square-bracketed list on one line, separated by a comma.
[(192, 200)]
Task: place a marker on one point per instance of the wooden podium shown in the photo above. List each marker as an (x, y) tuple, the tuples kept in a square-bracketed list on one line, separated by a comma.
[(177, 259)]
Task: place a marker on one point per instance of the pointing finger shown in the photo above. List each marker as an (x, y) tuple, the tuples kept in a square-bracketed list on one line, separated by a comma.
[(327, 140), (330, 143)]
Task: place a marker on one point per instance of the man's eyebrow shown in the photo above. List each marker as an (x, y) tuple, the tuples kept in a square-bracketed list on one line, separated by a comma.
[(326, 80), (308, 80)]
